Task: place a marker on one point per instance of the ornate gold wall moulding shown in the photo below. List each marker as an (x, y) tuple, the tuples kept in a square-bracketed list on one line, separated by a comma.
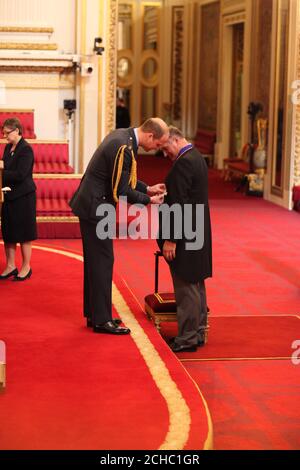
[(28, 46), (25, 29), (15, 110), (31, 68), (124, 75), (233, 19), (151, 80), (177, 62), (233, 6), (111, 54), (41, 80)]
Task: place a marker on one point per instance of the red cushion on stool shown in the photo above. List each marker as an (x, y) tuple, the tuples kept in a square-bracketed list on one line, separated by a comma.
[(161, 302)]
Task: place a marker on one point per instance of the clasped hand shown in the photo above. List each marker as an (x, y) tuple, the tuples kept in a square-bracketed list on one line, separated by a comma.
[(157, 193)]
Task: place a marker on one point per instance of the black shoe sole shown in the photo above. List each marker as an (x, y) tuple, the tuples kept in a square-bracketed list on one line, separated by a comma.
[(118, 333)]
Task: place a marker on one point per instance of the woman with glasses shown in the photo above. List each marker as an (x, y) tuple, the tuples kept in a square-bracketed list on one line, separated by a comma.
[(18, 217)]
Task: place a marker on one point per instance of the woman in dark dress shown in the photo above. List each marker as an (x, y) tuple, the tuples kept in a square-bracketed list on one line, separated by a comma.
[(18, 217)]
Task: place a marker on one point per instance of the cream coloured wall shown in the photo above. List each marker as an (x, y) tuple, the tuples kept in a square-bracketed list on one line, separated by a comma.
[(86, 86), (50, 122), (39, 79), (57, 14)]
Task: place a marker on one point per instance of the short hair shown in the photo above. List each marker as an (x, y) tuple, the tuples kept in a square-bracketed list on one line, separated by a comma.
[(151, 125), (13, 123), (175, 132)]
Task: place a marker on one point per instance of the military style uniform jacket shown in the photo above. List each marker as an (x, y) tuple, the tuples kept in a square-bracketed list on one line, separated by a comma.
[(97, 184)]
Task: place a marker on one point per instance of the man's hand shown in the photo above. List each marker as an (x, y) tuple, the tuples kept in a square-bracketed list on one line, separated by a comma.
[(169, 250), (158, 199), (159, 188)]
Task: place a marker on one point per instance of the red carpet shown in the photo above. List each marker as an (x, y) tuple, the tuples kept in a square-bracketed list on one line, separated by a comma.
[(254, 404), (68, 388), (245, 337)]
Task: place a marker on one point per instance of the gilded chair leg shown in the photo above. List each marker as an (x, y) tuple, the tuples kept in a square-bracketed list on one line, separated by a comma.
[(157, 324)]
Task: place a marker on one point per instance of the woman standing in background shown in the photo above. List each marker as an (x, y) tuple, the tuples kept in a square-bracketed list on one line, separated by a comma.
[(18, 218)]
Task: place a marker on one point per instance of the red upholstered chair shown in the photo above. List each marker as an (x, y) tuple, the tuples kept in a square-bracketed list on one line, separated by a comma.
[(236, 166), (205, 142), (26, 117)]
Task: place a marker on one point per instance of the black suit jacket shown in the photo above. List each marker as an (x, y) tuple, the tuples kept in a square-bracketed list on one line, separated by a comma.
[(187, 183), (96, 184), (17, 172)]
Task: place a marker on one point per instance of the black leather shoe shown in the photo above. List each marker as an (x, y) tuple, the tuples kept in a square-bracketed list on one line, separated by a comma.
[(181, 348), (14, 272), (23, 278), (116, 321), (110, 327)]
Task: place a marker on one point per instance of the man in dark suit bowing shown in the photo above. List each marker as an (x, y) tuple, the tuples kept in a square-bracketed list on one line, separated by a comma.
[(187, 244), (111, 173)]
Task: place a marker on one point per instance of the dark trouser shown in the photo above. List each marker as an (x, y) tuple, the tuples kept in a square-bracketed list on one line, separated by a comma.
[(191, 311), (98, 270)]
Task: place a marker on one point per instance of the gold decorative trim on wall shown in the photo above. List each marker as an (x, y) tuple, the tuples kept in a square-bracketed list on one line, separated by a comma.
[(31, 68), (152, 81), (25, 29), (49, 80), (233, 19), (177, 62), (67, 80), (296, 176), (231, 6), (16, 110), (100, 118), (111, 53), (125, 82), (34, 46), (280, 80)]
